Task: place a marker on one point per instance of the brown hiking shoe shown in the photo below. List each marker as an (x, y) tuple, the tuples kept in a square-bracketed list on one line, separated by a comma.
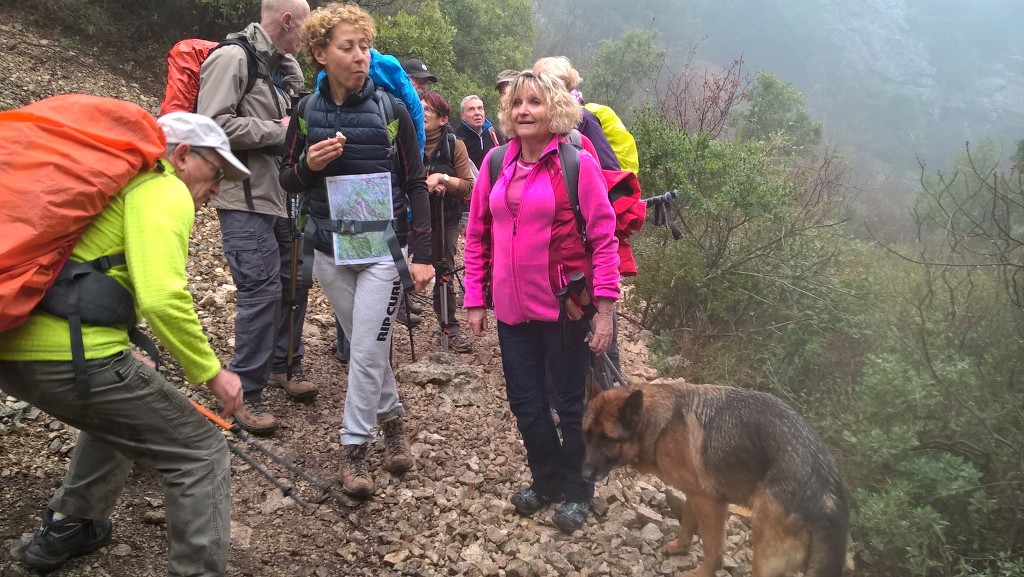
[(355, 478), (397, 458), (459, 342), (254, 418), (297, 388)]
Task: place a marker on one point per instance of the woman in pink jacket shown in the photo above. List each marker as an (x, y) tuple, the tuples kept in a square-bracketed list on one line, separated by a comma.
[(522, 245)]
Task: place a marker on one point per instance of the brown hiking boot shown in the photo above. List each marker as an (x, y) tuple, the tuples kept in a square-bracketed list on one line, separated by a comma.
[(459, 342), (397, 458), (297, 388), (254, 418), (355, 478)]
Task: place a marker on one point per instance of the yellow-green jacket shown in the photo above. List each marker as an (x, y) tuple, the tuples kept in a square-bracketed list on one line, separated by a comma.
[(150, 221)]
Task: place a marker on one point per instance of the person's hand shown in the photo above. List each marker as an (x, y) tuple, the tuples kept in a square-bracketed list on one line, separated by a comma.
[(601, 338), (323, 153), (421, 275), (477, 318), (227, 387), (436, 184), (285, 121)]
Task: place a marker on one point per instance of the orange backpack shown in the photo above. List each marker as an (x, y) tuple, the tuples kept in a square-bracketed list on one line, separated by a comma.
[(184, 60), (64, 158)]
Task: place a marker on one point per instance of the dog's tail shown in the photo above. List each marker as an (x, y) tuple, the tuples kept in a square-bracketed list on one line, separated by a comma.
[(829, 537)]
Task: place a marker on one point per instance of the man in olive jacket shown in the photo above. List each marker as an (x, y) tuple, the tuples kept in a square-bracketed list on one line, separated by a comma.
[(255, 228)]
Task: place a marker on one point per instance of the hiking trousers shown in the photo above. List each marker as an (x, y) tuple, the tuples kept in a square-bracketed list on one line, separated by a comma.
[(258, 251), (365, 301), (132, 415), (528, 352), (451, 250)]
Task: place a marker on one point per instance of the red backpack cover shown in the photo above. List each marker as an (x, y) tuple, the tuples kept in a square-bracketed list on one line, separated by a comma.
[(64, 158), (183, 62)]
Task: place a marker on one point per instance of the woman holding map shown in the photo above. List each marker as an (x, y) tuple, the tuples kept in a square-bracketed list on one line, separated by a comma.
[(361, 170)]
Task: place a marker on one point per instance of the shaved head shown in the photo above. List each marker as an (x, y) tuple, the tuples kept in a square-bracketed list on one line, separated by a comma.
[(273, 8), (282, 20)]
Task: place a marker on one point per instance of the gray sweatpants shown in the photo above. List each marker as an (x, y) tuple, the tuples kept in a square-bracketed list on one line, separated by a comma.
[(365, 300), (134, 415)]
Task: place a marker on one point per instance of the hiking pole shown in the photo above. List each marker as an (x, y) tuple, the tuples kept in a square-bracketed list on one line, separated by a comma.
[(293, 221), (236, 430), (408, 325), (663, 213), (439, 249), (613, 374)]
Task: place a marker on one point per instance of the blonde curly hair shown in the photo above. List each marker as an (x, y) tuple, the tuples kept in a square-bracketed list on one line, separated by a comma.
[(561, 67), (318, 27), (563, 110)]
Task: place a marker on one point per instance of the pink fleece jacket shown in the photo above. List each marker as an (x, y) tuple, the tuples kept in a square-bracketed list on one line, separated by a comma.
[(531, 254)]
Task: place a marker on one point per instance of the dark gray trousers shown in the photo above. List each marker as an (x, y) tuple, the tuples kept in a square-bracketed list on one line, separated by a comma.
[(258, 250)]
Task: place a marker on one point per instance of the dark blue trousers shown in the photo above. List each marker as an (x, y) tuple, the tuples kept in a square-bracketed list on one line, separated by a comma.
[(526, 349)]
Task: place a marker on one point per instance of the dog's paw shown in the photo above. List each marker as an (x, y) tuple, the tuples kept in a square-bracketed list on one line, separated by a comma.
[(676, 547)]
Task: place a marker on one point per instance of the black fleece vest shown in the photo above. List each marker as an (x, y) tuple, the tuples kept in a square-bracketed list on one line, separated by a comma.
[(368, 150)]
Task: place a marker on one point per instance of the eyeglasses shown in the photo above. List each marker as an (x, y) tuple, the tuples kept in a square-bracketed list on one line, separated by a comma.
[(429, 109), (218, 172)]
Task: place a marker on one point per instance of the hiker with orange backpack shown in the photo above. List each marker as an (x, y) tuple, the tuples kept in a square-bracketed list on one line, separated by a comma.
[(257, 234), (126, 410)]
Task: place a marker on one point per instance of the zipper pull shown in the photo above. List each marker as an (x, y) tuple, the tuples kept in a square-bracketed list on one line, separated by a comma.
[(515, 225)]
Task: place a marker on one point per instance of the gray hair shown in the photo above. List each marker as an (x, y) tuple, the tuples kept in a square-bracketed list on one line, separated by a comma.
[(465, 101)]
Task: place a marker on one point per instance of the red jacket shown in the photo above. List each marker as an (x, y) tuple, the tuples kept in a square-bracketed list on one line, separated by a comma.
[(530, 255)]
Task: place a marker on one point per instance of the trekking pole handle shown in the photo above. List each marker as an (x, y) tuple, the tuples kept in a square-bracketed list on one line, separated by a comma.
[(215, 418), (662, 198)]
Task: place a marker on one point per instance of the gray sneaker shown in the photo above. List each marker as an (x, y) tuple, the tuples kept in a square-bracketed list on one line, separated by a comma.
[(57, 541), (570, 516)]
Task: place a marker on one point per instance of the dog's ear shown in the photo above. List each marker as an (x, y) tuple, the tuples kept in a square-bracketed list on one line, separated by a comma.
[(632, 410)]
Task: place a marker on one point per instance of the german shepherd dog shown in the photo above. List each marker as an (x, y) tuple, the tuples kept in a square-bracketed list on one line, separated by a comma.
[(723, 445)]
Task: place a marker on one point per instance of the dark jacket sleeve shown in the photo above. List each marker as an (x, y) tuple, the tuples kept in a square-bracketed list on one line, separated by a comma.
[(295, 174), (591, 127), (415, 186)]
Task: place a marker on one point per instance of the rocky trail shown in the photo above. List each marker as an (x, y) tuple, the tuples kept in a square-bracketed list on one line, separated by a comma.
[(450, 516)]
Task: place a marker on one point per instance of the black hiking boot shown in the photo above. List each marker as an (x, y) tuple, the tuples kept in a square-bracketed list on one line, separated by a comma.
[(57, 541)]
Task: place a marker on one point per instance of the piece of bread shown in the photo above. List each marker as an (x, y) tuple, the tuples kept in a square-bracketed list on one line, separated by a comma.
[(340, 137)]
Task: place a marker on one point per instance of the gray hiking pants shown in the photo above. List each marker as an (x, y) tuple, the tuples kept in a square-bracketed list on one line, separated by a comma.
[(134, 415), (365, 300), (258, 250)]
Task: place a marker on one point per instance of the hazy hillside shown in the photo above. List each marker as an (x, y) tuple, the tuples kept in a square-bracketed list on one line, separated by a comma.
[(890, 79)]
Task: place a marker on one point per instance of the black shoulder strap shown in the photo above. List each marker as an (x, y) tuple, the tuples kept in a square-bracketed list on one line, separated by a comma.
[(252, 62), (252, 74), (569, 156), (305, 107), (451, 147), (494, 162)]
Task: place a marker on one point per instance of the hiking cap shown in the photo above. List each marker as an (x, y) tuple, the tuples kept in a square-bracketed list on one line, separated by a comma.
[(415, 68), (504, 77), (201, 131)]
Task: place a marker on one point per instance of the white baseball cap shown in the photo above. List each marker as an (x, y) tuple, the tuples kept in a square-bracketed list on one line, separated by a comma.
[(201, 131)]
